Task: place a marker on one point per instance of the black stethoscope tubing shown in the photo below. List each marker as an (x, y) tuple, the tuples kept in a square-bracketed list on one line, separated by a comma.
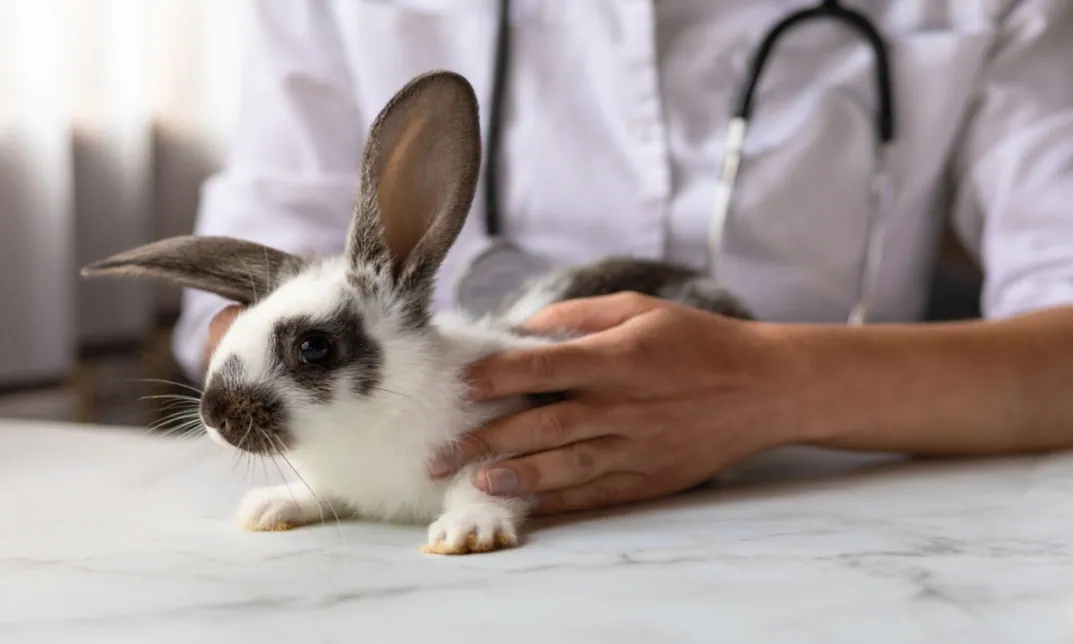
[(495, 121), (741, 116), (828, 9)]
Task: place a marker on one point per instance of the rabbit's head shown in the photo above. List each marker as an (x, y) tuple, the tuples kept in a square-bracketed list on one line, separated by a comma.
[(348, 333)]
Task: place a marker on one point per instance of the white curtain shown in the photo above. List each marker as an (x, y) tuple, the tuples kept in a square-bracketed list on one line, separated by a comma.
[(112, 113)]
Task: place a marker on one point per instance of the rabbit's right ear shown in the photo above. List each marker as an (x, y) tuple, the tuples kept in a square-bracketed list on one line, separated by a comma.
[(418, 178), (235, 269)]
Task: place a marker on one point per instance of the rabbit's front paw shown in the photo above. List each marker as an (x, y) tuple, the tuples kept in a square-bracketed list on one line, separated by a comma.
[(276, 508), (471, 529)]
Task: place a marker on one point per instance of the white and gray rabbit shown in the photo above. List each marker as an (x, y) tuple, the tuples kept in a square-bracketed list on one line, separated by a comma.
[(337, 362)]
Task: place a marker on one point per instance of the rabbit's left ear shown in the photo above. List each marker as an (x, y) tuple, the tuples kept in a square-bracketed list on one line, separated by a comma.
[(418, 178), (238, 270)]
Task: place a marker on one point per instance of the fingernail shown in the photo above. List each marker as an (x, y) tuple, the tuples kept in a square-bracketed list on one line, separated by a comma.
[(500, 481), (530, 499), (477, 383), (444, 464), (477, 389)]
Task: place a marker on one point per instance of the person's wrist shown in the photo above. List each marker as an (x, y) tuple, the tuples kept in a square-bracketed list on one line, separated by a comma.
[(818, 382), (777, 373), (856, 385)]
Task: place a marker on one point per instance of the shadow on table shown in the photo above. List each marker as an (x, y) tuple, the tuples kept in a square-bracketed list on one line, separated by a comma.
[(785, 473)]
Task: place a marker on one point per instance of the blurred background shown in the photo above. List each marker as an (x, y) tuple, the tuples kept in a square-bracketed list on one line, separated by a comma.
[(112, 114)]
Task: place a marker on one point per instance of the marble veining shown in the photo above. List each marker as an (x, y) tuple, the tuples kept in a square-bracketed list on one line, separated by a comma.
[(113, 536)]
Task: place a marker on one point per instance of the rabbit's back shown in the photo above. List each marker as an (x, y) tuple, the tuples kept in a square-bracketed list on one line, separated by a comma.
[(612, 275)]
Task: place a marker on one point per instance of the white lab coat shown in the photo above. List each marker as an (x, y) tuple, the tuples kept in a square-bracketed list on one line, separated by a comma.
[(616, 120)]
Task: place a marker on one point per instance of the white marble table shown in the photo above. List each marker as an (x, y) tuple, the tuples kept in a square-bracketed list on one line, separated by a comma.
[(112, 536)]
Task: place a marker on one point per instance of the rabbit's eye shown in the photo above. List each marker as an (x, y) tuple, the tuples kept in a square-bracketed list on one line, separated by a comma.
[(314, 349)]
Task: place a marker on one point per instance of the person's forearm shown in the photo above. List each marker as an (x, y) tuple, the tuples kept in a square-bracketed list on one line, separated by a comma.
[(955, 388)]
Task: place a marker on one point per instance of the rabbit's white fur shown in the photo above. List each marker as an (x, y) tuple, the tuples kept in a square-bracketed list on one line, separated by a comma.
[(360, 431), (360, 423), (368, 456)]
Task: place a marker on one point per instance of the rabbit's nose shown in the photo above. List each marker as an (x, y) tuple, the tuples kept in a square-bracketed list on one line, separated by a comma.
[(249, 417), (223, 426), (213, 412)]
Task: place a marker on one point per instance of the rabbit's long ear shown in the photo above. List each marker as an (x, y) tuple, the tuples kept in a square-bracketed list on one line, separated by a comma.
[(238, 270), (418, 178)]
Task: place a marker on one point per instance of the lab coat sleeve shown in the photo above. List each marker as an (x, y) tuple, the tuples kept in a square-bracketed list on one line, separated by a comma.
[(1014, 198), (290, 176)]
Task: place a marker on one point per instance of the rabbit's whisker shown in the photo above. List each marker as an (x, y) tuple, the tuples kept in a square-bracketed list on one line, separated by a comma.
[(320, 502), (165, 382), (394, 393)]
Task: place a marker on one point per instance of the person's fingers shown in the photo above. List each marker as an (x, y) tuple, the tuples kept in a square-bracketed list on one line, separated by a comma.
[(547, 369), (533, 430), (591, 315), (218, 326), (565, 467), (610, 489)]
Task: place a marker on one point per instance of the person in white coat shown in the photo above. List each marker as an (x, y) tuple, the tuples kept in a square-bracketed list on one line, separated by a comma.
[(614, 127)]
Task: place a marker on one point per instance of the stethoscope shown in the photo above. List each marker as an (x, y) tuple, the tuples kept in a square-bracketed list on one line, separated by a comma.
[(502, 265)]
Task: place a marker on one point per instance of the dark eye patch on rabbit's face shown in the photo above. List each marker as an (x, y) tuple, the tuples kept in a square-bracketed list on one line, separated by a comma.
[(317, 352)]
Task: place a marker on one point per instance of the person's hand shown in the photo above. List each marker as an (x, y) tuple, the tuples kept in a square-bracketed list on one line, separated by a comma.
[(661, 398), (218, 326)]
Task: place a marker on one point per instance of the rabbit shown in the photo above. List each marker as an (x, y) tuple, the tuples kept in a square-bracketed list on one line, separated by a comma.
[(337, 363)]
